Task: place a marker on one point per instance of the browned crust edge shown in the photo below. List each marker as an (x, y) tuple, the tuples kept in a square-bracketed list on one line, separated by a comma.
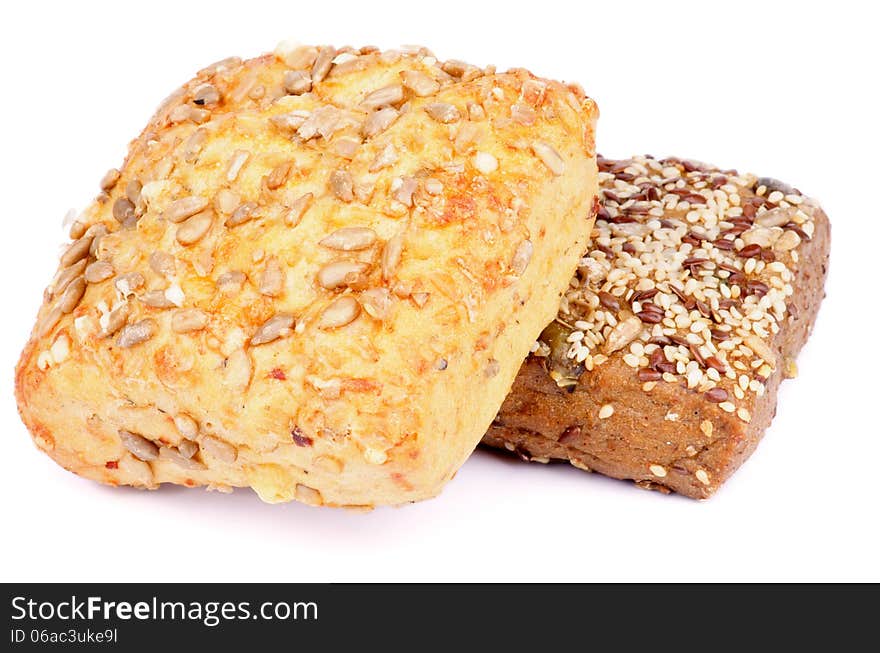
[(537, 413)]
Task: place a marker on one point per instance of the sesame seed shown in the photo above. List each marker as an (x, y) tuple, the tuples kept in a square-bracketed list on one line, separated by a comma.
[(657, 470), (606, 411), (703, 249), (702, 476)]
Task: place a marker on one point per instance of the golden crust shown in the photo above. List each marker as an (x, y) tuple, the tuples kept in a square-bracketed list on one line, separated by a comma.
[(211, 341)]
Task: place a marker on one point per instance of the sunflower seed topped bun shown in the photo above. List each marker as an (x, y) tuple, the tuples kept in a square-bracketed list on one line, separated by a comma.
[(316, 275)]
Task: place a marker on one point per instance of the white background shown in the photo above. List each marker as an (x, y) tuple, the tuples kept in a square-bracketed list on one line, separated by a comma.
[(788, 91)]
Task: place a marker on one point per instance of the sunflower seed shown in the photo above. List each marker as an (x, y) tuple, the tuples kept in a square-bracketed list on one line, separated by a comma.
[(443, 112), (193, 147), (385, 158), (476, 112), (523, 114), (323, 63), (162, 263), (288, 123), (195, 228), (231, 282), (774, 218), (219, 449), (403, 189), (186, 425), (297, 82), (419, 83), (172, 455), (346, 147), (391, 256), (235, 164), (138, 445), (188, 319), (341, 273), (761, 349), (787, 241), (521, 257), (97, 232), (133, 191), (206, 95), (549, 157), (298, 209), (49, 321), (379, 121), (342, 185), (272, 279), (364, 191), (78, 250), (226, 201), (622, 334), (156, 299), (346, 63), (108, 181), (349, 239), (72, 295), (533, 91), (300, 57), (376, 303), (244, 213), (387, 95), (179, 113), (199, 116), (761, 236), (184, 112), (219, 66), (114, 320), (278, 177), (455, 68), (127, 284), (180, 210), (275, 327), (345, 54), (65, 276), (324, 121), (340, 312), (99, 271), (77, 229), (308, 495), (123, 211), (135, 334), (237, 370), (187, 448)]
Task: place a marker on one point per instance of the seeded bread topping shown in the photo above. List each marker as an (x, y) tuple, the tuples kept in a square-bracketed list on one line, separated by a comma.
[(315, 275), (690, 276), (688, 291)]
